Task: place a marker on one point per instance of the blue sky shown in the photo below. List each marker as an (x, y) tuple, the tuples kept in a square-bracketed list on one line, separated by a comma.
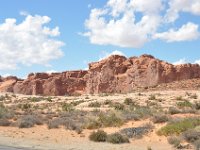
[(89, 30)]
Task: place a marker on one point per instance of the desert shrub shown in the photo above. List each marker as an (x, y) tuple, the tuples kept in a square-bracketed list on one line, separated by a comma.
[(34, 99), (191, 135), (184, 104), (49, 99), (93, 124), (197, 144), (110, 120), (137, 132), (4, 122), (29, 121), (107, 102), (25, 106), (194, 96), (99, 136), (117, 138), (76, 103), (87, 97), (13, 95), (94, 104), (149, 148), (160, 118), (149, 103), (179, 98), (173, 110), (143, 111), (55, 123), (67, 107), (3, 111), (129, 115), (2, 98), (140, 94), (197, 105), (128, 101), (152, 97), (178, 127), (104, 120), (174, 140), (118, 106)]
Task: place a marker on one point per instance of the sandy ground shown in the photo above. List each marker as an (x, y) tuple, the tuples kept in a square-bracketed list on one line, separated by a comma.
[(41, 138)]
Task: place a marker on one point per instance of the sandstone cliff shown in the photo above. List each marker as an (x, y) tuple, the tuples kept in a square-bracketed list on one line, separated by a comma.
[(115, 74)]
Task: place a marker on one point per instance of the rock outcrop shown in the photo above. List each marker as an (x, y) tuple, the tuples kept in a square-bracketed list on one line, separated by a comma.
[(115, 74)]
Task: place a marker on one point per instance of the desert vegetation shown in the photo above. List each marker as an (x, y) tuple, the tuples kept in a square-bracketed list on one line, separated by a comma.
[(165, 114)]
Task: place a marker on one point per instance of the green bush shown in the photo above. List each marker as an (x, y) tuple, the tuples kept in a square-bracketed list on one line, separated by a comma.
[(128, 101), (75, 103), (104, 120), (2, 98), (49, 99), (173, 110), (99, 136), (107, 102), (117, 138), (3, 111), (94, 104), (34, 99), (110, 120), (67, 107), (184, 104), (152, 97), (143, 111), (118, 106), (197, 105), (178, 127)]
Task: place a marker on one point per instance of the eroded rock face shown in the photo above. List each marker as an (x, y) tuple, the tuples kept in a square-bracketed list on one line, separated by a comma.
[(116, 74), (65, 83), (7, 84)]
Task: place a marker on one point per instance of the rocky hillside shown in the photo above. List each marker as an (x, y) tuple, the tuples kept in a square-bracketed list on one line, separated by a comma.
[(115, 74)]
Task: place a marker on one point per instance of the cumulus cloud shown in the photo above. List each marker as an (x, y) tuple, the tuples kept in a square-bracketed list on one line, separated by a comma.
[(29, 42), (105, 54), (187, 32), (122, 31), (117, 23), (177, 6), (181, 61)]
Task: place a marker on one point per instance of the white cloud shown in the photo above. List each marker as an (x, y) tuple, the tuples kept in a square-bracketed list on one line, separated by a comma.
[(177, 6), (181, 61), (197, 62), (187, 32), (117, 22), (6, 75), (122, 31), (29, 42), (51, 71), (24, 13), (105, 54)]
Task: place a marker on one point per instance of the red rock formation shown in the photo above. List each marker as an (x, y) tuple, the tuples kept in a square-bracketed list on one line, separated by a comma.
[(116, 74)]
